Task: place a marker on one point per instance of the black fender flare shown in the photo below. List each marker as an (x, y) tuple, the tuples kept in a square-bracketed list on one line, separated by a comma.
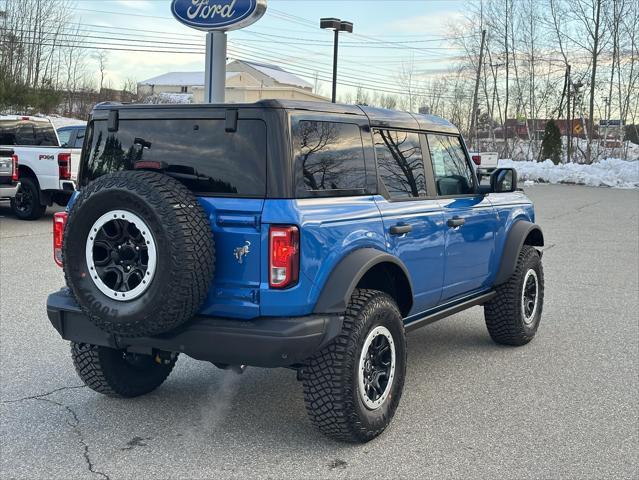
[(346, 275), (517, 236)]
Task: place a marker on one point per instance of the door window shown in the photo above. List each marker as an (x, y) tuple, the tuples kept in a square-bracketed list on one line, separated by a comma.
[(453, 174), (400, 163)]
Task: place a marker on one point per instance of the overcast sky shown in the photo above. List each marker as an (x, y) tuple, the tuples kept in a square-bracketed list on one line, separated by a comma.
[(388, 34)]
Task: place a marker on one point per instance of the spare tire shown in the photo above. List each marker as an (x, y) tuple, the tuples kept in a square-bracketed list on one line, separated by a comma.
[(138, 253)]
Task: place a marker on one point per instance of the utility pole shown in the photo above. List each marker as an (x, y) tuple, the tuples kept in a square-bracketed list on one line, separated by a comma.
[(568, 114), (473, 118)]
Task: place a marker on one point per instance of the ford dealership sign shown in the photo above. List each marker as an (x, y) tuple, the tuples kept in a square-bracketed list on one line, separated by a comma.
[(222, 15)]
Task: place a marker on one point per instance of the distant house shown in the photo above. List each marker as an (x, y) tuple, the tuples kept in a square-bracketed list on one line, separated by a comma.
[(246, 82)]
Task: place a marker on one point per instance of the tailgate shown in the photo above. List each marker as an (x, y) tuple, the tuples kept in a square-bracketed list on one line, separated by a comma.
[(6, 166), (236, 226)]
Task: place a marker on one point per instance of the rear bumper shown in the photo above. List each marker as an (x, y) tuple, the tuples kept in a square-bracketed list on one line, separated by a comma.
[(262, 342), (7, 191)]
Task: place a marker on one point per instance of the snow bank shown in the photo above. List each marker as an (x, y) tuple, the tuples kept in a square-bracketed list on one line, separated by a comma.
[(611, 172)]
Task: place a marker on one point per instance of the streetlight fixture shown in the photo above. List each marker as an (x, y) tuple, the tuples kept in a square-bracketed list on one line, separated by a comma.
[(337, 26)]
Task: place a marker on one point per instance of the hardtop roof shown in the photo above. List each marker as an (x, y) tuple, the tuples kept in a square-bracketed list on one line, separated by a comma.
[(378, 117)]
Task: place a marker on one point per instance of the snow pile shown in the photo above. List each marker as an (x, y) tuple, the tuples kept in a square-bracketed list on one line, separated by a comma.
[(611, 172)]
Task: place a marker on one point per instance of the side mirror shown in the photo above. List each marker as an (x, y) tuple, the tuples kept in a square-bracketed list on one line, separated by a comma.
[(503, 180)]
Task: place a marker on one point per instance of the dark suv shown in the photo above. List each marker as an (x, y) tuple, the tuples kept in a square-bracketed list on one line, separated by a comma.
[(284, 234)]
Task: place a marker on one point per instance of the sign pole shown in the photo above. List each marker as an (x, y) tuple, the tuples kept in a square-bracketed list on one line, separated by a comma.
[(215, 71)]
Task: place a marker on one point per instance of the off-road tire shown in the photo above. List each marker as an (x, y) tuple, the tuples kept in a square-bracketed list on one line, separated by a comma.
[(184, 246), (106, 371), (35, 209), (331, 391), (504, 315)]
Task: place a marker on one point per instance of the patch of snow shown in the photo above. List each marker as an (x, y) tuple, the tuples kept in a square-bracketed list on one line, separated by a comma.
[(611, 172), (163, 98)]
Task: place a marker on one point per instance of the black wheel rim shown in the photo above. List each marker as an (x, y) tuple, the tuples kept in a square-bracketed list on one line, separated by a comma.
[(23, 200), (120, 255), (529, 296), (376, 367)]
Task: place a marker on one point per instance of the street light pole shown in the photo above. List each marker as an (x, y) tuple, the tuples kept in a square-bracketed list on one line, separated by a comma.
[(337, 26), (335, 51)]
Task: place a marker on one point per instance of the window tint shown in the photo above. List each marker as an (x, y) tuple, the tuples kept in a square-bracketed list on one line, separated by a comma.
[(329, 156), (400, 163), (453, 174), (27, 133), (199, 153), (64, 136)]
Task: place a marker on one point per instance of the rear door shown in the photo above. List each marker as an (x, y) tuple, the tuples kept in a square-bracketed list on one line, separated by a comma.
[(470, 220), (413, 223)]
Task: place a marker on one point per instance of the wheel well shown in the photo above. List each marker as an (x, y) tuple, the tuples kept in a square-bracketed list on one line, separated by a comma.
[(27, 172), (535, 238), (389, 278)]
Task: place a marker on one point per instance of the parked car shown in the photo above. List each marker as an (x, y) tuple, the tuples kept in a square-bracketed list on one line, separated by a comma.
[(486, 162), (72, 137), (44, 167), (311, 236), (9, 174)]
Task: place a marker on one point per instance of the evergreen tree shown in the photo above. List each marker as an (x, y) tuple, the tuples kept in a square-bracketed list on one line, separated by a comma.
[(551, 143)]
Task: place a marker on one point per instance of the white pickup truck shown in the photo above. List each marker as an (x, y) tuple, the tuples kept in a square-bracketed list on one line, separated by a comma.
[(485, 162), (45, 169)]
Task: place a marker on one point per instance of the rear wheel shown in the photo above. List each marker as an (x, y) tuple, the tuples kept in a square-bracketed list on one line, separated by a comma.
[(117, 373), (26, 203), (353, 386), (513, 315)]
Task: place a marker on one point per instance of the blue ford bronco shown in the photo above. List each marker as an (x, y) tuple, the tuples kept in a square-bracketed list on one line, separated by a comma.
[(310, 236)]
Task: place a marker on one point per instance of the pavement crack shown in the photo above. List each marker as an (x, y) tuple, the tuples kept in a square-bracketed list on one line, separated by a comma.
[(42, 395), (73, 422)]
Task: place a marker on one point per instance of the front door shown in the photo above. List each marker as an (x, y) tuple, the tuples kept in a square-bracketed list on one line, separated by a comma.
[(413, 222), (470, 220)]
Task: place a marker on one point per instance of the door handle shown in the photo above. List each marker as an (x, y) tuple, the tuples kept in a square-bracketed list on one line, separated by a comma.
[(456, 222), (401, 229)]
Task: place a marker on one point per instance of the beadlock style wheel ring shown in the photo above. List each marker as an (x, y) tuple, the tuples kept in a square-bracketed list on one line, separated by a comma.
[(376, 369), (121, 255), (530, 296)]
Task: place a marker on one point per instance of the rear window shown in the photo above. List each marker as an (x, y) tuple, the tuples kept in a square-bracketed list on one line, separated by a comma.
[(329, 159), (200, 153), (27, 133)]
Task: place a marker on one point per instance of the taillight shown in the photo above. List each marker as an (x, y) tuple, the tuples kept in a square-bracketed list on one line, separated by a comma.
[(284, 256), (64, 166), (15, 171), (477, 159), (59, 221)]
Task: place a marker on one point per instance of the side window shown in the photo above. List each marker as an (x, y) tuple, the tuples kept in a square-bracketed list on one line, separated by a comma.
[(64, 136), (44, 135), (400, 163), (79, 139), (453, 174), (329, 156)]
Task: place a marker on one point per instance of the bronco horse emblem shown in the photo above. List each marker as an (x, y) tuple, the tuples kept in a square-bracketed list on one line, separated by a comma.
[(241, 252)]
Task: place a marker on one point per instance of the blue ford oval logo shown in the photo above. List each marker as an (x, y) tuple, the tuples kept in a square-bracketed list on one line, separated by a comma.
[(223, 15)]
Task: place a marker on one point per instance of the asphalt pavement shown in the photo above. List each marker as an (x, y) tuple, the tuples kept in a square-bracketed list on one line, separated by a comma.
[(566, 405)]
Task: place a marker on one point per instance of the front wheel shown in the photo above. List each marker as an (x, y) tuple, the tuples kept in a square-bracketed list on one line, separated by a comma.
[(26, 203), (117, 373), (353, 386), (513, 315)]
